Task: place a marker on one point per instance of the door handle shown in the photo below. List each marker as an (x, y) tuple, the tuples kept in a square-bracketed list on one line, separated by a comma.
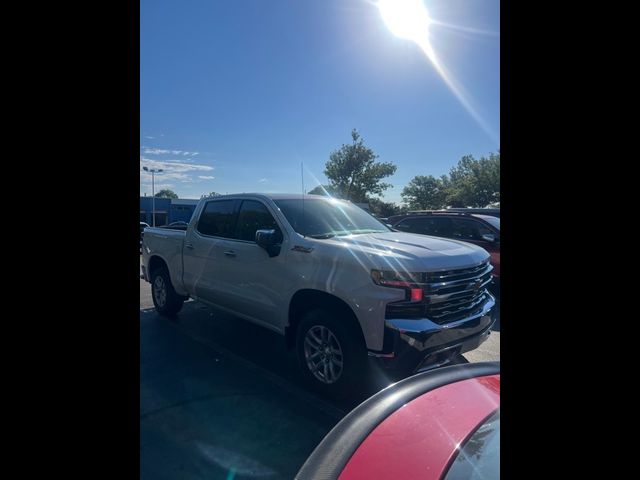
[(188, 245), (229, 253)]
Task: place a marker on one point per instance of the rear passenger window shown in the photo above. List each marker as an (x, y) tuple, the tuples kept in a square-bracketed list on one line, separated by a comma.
[(439, 227), (253, 216), (405, 226), (217, 219), (466, 229)]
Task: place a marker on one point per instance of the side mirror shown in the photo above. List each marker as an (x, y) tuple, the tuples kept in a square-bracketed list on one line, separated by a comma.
[(270, 240), (489, 237)]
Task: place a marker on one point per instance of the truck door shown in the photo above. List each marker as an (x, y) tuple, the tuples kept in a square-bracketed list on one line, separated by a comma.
[(254, 282), (202, 252)]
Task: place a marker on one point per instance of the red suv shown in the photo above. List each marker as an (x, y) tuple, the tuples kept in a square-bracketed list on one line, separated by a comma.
[(482, 230)]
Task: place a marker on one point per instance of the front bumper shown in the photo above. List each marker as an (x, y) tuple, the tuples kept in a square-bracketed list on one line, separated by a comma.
[(411, 345)]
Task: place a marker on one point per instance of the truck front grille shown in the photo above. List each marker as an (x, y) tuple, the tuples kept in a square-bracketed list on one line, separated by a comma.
[(448, 295)]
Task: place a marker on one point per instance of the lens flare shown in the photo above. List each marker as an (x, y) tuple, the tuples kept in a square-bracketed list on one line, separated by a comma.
[(409, 19)]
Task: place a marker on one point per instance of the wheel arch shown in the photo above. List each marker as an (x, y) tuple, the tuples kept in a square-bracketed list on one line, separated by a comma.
[(156, 262), (306, 300)]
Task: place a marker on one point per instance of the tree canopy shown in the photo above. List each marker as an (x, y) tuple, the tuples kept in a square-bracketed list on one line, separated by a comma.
[(475, 183), (353, 172), (425, 192), (166, 193), (384, 209), (471, 183)]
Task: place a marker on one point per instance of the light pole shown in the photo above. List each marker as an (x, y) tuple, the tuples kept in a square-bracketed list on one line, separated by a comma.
[(153, 192)]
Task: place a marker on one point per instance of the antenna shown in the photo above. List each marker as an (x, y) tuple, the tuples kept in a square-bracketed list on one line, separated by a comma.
[(302, 180)]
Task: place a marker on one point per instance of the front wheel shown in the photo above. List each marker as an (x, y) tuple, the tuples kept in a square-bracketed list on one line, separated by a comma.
[(331, 353), (165, 298)]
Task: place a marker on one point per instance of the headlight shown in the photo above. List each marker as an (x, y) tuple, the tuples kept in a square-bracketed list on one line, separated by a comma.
[(410, 282)]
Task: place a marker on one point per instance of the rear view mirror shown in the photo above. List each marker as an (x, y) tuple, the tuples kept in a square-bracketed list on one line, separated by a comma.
[(489, 237), (269, 240)]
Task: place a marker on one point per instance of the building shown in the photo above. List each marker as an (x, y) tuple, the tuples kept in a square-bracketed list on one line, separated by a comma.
[(168, 210)]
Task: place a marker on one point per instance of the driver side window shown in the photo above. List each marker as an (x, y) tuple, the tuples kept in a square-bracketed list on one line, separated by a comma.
[(253, 216)]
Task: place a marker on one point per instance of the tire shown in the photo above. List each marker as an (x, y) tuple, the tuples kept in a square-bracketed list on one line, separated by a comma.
[(167, 302), (341, 367)]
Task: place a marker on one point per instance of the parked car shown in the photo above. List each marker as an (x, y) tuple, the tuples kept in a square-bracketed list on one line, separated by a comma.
[(339, 285), (442, 424), (143, 225), (481, 230), (493, 212)]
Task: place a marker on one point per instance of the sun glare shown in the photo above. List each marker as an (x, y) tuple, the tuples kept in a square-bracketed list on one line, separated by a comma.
[(407, 19)]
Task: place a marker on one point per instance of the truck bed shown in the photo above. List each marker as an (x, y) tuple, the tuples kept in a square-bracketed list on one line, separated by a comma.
[(167, 243)]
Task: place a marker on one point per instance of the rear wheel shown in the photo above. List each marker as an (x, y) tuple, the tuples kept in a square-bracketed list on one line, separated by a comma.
[(167, 302), (331, 353)]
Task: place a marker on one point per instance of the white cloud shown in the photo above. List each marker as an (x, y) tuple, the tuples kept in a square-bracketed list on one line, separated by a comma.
[(175, 172), (156, 151), (158, 187), (163, 151), (146, 177), (150, 138), (263, 180), (174, 165)]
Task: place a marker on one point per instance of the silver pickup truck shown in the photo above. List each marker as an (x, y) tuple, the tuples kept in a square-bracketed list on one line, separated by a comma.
[(338, 285)]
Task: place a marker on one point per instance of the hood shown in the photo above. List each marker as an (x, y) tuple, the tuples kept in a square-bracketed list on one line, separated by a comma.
[(417, 252)]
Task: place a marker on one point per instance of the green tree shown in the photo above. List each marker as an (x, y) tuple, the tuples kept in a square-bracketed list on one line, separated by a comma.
[(166, 193), (210, 194), (425, 192), (474, 183), (324, 190), (353, 172), (384, 209)]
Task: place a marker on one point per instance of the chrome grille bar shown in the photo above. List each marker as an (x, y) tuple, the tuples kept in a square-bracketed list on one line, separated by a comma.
[(449, 295)]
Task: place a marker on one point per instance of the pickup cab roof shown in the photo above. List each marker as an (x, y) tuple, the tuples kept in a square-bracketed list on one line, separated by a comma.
[(273, 196)]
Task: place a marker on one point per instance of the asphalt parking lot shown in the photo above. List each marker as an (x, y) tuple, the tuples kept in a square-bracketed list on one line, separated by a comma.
[(221, 398)]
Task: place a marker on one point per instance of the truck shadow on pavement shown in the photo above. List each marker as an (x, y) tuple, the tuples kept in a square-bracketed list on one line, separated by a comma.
[(223, 398)]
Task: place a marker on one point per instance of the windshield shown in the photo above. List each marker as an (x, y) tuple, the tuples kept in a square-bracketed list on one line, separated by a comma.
[(479, 457), (325, 218), (492, 220)]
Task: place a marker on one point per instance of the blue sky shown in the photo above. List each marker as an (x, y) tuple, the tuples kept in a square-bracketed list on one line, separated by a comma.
[(235, 94)]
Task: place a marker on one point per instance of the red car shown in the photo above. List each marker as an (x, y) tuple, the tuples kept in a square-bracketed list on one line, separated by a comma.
[(441, 424), (482, 230)]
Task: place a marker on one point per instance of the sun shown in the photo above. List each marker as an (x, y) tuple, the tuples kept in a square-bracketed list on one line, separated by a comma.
[(410, 20), (407, 19)]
